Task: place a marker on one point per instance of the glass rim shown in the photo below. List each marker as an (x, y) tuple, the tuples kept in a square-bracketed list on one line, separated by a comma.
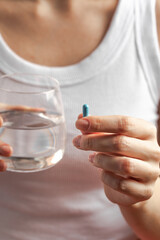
[(52, 89)]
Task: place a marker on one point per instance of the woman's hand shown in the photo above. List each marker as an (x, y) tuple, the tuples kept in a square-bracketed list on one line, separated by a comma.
[(126, 150), (5, 151)]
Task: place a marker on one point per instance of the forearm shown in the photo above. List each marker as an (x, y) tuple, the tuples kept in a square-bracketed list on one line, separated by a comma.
[(144, 218)]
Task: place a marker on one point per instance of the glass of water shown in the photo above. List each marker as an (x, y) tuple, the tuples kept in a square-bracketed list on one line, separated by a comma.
[(33, 121)]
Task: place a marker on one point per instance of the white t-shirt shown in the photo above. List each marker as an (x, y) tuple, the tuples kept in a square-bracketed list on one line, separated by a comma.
[(120, 77)]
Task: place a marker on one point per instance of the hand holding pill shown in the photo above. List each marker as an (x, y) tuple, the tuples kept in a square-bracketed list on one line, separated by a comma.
[(126, 150)]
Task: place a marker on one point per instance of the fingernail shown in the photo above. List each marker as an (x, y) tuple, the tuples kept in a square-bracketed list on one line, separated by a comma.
[(76, 141), (82, 124), (5, 150)]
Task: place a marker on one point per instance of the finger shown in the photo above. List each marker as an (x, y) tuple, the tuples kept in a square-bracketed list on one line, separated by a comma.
[(6, 107), (1, 121), (3, 166), (27, 109), (138, 190), (118, 145), (125, 167), (125, 125), (5, 149), (80, 116)]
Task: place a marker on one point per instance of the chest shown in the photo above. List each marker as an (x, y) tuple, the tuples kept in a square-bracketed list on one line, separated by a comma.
[(57, 42)]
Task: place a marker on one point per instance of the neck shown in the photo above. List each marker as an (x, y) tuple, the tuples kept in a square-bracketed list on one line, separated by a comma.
[(62, 5), (68, 6), (59, 5)]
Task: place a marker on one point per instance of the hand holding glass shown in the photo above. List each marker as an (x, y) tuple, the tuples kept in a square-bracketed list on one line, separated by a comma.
[(33, 121)]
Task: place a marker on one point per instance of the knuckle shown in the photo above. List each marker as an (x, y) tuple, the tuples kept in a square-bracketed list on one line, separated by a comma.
[(156, 154), (119, 185), (146, 193), (122, 186), (120, 143), (155, 173), (88, 143), (127, 167), (124, 124), (98, 124), (153, 130)]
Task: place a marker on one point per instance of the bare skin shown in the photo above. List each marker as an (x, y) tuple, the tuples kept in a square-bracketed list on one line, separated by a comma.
[(54, 29), (130, 171), (128, 154)]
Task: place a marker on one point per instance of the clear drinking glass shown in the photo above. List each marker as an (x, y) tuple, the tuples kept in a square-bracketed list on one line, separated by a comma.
[(33, 121)]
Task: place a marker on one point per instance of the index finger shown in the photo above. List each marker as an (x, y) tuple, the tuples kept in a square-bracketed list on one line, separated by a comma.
[(125, 125), (6, 107), (1, 121)]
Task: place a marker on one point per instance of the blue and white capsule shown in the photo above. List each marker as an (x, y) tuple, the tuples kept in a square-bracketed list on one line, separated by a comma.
[(85, 110)]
